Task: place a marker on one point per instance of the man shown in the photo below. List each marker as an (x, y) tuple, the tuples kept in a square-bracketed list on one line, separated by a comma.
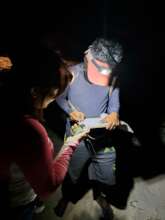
[(92, 92)]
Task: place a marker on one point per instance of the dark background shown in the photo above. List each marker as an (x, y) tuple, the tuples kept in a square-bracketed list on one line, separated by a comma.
[(74, 25)]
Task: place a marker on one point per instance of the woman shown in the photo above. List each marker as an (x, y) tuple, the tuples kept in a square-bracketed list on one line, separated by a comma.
[(27, 166)]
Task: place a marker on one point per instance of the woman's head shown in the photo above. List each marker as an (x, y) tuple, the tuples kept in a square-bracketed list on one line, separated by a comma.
[(40, 76), (49, 79)]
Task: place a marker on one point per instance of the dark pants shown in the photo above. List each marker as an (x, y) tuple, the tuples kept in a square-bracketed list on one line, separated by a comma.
[(79, 161), (4, 201), (24, 212), (74, 189), (77, 182)]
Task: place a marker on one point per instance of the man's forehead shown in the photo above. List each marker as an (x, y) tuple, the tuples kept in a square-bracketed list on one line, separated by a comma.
[(103, 64), (89, 55)]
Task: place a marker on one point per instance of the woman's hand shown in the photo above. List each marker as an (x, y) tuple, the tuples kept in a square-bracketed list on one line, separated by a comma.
[(81, 134)]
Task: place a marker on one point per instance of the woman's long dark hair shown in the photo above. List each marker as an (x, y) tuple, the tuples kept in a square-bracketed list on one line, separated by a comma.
[(41, 69)]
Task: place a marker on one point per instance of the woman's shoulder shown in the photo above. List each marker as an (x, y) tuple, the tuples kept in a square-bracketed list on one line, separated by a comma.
[(32, 126)]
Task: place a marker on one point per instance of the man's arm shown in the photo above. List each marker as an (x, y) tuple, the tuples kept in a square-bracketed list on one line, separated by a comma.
[(66, 105), (62, 101), (113, 110), (114, 101)]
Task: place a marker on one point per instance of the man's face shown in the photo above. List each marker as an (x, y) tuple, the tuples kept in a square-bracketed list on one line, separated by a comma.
[(101, 67), (98, 72)]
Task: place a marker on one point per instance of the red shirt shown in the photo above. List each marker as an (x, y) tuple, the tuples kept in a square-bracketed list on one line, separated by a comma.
[(31, 149)]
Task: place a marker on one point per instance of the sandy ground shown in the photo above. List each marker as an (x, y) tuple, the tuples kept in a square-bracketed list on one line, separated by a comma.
[(146, 202)]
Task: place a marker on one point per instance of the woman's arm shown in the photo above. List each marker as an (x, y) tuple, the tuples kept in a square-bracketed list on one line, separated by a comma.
[(34, 156)]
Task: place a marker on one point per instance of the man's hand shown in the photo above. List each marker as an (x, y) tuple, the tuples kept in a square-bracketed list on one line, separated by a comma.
[(112, 120), (77, 116)]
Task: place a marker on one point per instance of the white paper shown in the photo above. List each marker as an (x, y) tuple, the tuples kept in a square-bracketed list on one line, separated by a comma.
[(94, 123)]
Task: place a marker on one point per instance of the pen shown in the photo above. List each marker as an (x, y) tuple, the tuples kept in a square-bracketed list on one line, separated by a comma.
[(73, 108)]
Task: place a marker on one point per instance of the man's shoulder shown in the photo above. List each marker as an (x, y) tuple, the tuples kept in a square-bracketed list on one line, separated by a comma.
[(77, 68)]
